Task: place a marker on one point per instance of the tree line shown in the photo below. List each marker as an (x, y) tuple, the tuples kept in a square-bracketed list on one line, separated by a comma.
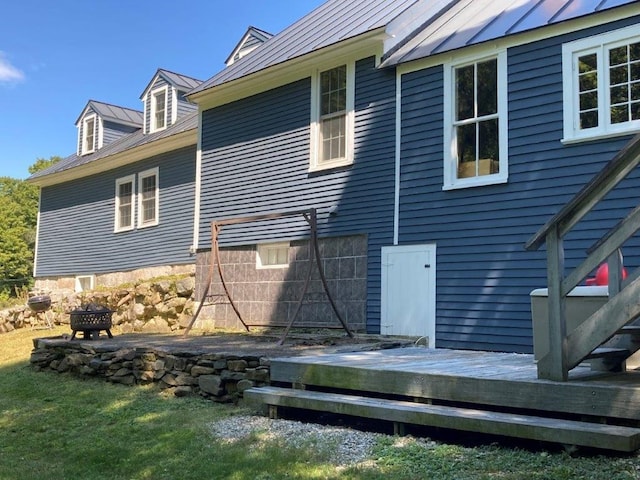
[(18, 223)]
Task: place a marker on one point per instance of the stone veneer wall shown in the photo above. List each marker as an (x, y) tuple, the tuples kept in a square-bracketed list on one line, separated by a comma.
[(269, 296), (221, 377)]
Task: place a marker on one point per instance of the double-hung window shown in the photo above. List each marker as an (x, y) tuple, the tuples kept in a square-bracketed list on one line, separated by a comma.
[(124, 203), (475, 123), (332, 117), (89, 128), (159, 109), (602, 85), (148, 198)]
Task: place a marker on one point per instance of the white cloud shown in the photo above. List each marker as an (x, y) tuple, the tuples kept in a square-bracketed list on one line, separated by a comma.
[(9, 73)]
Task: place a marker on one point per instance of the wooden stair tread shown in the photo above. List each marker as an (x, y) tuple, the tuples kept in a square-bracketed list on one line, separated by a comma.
[(630, 330), (606, 352), (553, 430)]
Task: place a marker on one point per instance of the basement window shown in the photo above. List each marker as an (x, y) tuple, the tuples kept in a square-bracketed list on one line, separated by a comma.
[(273, 255)]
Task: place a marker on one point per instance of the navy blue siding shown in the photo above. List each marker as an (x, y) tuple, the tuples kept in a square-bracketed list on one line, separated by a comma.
[(77, 222), (184, 106), (255, 160), (112, 131), (484, 276)]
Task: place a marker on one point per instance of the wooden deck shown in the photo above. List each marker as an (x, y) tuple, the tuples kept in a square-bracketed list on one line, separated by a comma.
[(486, 392)]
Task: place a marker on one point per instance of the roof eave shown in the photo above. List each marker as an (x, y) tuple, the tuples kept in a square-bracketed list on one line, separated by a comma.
[(120, 159), (292, 69)]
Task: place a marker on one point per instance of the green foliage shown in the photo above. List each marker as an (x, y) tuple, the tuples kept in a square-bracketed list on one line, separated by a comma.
[(18, 222)]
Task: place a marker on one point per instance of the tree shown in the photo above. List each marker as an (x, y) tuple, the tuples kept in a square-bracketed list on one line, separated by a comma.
[(18, 222)]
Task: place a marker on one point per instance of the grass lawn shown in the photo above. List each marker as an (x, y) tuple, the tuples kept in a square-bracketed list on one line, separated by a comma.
[(60, 427)]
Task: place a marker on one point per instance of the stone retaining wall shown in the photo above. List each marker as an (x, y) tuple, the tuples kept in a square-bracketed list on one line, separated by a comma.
[(152, 306), (221, 377)]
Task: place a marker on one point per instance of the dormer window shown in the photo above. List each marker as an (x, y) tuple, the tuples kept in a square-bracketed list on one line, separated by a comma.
[(159, 109), (89, 135)]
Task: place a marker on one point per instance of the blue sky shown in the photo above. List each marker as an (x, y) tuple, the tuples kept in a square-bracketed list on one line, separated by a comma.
[(57, 55)]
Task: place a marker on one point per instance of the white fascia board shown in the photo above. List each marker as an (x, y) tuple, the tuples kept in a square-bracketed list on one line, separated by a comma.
[(368, 44), (136, 154)]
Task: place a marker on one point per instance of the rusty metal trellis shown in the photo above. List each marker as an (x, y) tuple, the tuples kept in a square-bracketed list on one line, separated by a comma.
[(311, 217)]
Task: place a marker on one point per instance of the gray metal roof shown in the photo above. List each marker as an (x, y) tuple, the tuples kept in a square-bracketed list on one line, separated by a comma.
[(181, 82), (467, 22), (330, 23), (136, 139), (114, 113), (177, 80), (252, 33)]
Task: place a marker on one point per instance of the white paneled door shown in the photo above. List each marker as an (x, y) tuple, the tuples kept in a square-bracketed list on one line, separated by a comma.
[(409, 291)]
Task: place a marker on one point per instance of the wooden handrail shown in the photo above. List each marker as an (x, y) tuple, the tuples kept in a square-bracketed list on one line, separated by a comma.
[(567, 349)]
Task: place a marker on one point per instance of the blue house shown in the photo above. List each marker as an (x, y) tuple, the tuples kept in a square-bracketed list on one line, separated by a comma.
[(122, 206), (433, 138)]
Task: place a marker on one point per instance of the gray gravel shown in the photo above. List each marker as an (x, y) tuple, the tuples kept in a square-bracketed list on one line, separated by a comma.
[(346, 447)]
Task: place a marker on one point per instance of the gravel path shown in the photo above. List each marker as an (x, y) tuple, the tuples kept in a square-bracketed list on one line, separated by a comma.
[(347, 447)]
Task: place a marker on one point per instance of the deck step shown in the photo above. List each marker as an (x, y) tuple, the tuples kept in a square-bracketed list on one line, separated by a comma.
[(606, 352), (626, 439), (630, 330)]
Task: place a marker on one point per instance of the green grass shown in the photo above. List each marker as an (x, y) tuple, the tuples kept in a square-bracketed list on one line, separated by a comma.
[(58, 426)]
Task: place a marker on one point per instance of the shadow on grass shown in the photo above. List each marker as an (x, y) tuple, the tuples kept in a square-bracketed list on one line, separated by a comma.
[(60, 426)]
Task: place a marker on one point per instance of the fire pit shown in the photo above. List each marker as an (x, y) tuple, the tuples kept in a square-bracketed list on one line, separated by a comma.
[(90, 321)]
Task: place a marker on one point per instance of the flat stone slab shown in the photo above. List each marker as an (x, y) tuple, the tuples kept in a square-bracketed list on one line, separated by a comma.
[(230, 344)]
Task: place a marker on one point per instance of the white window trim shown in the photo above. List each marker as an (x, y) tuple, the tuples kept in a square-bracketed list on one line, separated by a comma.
[(152, 118), (570, 52), (78, 282), (83, 141), (128, 179), (261, 250), (451, 182), (315, 164), (153, 172)]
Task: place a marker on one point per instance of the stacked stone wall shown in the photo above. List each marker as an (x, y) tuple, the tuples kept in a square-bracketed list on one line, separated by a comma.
[(152, 306), (221, 377)]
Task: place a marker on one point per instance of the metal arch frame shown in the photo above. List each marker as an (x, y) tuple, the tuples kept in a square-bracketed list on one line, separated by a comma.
[(311, 216)]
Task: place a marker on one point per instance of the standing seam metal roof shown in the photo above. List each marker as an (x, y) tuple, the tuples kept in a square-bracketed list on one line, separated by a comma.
[(117, 114), (330, 23), (181, 82), (469, 22), (136, 139)]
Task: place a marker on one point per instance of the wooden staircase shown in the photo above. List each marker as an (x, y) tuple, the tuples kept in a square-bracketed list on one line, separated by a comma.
[(608, 337), (480, 392)]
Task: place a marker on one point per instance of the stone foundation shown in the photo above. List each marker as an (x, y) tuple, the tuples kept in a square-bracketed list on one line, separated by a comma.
[(67, 285)]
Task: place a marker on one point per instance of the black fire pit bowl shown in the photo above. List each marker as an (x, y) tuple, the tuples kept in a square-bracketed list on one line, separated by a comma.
[(90, 320)]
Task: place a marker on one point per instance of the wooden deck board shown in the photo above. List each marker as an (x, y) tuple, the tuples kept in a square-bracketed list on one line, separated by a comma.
[(498, 379)]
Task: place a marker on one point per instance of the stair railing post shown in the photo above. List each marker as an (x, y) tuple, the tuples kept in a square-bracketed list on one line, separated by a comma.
[(556, 366), (614, 264)]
